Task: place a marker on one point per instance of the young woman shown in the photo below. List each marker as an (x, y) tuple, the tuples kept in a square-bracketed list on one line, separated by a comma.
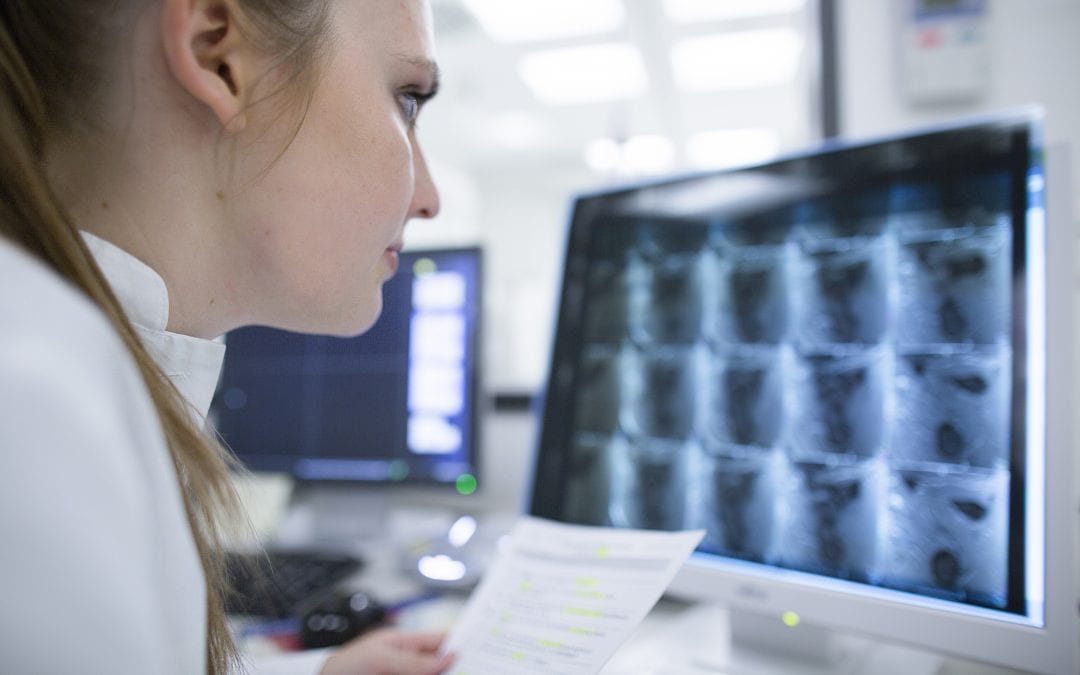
[(170, 170)]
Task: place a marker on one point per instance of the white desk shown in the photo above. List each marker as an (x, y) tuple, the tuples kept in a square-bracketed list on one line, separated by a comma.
[(670, 641)]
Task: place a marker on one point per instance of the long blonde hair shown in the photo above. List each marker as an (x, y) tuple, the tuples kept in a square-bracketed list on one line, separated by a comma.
[(49, 51)]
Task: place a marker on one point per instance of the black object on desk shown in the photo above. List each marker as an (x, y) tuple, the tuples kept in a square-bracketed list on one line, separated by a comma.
[(339, 618), (281, 584)]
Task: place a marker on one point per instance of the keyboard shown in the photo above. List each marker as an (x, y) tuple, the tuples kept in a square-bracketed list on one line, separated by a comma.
[(281, 584)]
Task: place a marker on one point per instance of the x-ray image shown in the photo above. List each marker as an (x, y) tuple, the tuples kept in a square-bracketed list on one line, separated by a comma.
[(588, 487), (665, 386), (751, 293), (839, 406), (611, 286), (841, 290), (650, 484), (672, 304), (739, 500), (744, 404), (953, 407), (948, 532), (824, 385), (955, 289), (601, 390), (832, 517)]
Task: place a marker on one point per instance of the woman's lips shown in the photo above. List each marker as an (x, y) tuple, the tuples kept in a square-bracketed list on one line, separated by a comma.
[(392, 259)]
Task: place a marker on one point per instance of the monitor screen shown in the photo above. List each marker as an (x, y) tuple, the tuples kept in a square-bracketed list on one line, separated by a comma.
[(826, 362), (396, 404)]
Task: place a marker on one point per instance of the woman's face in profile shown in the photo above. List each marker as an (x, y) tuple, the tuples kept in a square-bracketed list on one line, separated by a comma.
[(316, 234)]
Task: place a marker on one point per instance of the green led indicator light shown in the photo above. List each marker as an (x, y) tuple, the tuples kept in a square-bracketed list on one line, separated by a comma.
[(790, 619), (466, 484), (397, 470), (423, 266)]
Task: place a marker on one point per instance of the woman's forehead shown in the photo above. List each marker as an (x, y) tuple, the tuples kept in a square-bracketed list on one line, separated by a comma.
[(393, 19)]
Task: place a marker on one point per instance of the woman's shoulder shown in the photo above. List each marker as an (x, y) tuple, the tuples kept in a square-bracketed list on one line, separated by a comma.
[(58, 348), (85, 461), (43, 313)]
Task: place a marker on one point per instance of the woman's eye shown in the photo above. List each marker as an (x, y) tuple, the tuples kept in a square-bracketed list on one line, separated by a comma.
[(411, 101), (410, 106)]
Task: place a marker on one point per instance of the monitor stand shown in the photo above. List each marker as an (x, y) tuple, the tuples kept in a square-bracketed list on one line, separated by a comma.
[(763, 645), (333, 517)]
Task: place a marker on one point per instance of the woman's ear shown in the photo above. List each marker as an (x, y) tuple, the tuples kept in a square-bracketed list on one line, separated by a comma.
[(209, 56)]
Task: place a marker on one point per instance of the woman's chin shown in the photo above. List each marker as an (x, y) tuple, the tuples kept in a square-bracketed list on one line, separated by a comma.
[(338, 320), (352, 325)]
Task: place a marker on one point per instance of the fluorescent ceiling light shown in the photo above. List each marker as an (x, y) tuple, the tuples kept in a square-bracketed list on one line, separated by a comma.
[(732, 147), (590, 74), (692, 11), (740, 60), (529, 20)]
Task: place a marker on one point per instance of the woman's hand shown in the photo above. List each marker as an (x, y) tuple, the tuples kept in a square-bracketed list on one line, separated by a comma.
[(388, 651)]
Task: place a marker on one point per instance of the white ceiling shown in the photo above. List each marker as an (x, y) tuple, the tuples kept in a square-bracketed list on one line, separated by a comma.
[(486, 114)]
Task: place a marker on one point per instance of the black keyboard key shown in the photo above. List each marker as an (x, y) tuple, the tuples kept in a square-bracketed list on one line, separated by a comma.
[(282, 584)]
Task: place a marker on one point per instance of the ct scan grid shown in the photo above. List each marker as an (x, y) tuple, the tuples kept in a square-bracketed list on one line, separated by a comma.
[(824, 387)]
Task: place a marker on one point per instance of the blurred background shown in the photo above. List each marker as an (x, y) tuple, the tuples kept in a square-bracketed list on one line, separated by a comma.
[(546, 99)]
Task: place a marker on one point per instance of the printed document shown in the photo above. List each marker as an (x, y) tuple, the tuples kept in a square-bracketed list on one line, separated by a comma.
[(561, 598)]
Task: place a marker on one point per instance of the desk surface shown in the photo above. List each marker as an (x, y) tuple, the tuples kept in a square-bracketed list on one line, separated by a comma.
[(670, 641)]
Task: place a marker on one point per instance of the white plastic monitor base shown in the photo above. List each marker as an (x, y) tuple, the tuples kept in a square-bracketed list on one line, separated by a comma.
[(333, 518), (740, 643)]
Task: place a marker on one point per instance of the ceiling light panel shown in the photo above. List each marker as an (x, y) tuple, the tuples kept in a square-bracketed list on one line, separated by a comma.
[(694, 11), (590, 74), (533, 20), (739, 60)]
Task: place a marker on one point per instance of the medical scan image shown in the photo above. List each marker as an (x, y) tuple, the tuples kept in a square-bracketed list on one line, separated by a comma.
[(842, 293), (739, 495), (948, 531), (955, 407), (825, 388), (745, 396)]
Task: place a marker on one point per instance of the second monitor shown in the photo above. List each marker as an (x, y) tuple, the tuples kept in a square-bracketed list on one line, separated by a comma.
[(396, 405)]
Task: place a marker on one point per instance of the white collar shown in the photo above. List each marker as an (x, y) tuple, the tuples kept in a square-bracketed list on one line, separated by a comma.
[(192, 364)]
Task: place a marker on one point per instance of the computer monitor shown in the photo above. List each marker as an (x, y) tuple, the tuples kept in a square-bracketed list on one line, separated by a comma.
[(849, 366), (395, 406)]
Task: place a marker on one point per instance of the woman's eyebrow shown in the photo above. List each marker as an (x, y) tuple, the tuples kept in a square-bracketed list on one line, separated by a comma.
[(427, 65)]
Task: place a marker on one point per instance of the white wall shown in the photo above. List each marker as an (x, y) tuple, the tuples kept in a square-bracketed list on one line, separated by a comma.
[(526, 218)]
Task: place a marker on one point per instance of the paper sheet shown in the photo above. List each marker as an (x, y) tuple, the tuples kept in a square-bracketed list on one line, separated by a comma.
[(561, 598)]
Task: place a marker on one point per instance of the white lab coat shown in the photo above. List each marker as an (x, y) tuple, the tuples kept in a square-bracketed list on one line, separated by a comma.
[(99, 569)]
